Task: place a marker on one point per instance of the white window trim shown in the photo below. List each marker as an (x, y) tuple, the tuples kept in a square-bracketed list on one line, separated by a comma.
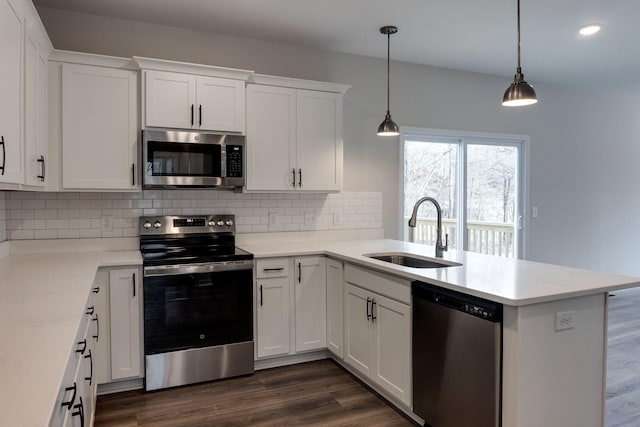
[(464, 138)]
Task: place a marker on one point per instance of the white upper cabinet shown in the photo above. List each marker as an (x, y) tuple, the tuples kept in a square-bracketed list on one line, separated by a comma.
[(271, 137), (192, 96), (99, 128), (170, 99), (11, 42), (294, 135), (37, 51)]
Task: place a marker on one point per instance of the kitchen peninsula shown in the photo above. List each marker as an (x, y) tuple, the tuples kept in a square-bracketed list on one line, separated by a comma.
[(549, 377)]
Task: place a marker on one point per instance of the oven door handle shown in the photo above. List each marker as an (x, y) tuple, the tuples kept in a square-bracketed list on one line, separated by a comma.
[(210, 267)]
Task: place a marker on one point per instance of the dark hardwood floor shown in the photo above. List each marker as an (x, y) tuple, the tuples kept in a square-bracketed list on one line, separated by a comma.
[(311, 394), (623, 359)]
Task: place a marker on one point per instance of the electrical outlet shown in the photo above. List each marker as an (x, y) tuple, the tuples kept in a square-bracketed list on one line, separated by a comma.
[(565, 320), (534, 212), (309, 218), (107, 223), (273, 218)]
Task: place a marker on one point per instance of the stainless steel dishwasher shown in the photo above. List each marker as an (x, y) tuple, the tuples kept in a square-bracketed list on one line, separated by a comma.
[(457, 358)]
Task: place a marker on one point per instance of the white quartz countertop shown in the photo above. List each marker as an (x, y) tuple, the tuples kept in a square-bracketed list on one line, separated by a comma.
[(42, 300), (508, 281)]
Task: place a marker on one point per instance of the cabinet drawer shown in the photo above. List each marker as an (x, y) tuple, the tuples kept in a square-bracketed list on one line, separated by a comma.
[(383, 284), (272, 267)]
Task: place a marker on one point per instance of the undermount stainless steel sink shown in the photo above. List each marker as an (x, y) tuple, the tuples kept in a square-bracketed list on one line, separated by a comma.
[(408, 260)]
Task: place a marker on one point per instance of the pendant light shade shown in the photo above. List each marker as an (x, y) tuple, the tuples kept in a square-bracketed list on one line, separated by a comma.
[(520, 92), (388, 127)]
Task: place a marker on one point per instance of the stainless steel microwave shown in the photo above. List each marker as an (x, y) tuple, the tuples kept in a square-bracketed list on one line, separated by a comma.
[(174, 159)]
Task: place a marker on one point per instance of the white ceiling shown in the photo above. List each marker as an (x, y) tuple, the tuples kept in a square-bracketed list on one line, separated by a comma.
[(472, 35)]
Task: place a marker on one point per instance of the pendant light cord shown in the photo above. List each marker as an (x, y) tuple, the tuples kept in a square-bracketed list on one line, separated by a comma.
[(519, 67), (388, 70)]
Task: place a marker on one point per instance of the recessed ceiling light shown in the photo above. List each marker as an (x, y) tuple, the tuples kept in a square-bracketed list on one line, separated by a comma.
[(590, 29)]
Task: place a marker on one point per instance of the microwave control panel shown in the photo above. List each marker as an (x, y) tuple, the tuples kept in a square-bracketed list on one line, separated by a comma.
[(234, 161)]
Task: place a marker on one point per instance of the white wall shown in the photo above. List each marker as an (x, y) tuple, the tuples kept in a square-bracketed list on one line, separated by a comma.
[(584, 146)]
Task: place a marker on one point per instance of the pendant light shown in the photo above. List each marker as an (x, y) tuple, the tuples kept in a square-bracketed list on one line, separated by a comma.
[(388, 127), (520, 92)]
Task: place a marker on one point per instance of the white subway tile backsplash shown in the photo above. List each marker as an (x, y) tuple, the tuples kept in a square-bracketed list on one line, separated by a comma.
[(26, 215)]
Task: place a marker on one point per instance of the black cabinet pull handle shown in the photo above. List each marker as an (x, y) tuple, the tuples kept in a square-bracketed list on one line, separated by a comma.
[(88, 356), (80, 412), (273, 269), (300, 177), (82, 343), (260, 295), (368, 314), (191, 114), (69, 403), (96, 289), (299, 272), (41, 160), (373, 310), (133, 174), (200, 115), (293, 174), (90, 310), (133, 276), (97, 335), (4, 154)]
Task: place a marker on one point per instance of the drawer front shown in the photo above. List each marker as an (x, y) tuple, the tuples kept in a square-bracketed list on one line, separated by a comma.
[(380, 283), (272, 267)]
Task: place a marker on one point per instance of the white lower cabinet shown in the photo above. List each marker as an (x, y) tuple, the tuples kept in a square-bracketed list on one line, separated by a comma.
[(125, 326), (75, 404), (378, 331), (310, 289), (273, 287), (290, 305), (335, 307)]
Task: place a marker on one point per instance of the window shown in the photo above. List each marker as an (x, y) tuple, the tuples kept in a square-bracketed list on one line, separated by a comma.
[(479, 182)]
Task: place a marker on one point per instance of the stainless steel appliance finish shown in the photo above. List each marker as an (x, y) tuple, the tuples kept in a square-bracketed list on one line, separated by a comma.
[(198, 300), (457, 358), (192, 159), (195, 365)]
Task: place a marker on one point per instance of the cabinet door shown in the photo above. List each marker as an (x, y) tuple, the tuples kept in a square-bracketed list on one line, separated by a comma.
[(319, 140), (335, 313), (170, 99), (35, 113), (272, 320), (11, 42), (310, 288), (392, 351), (124, 310), (221, 104), (271, 132), (99, 127), (102, 357), (358, 329)]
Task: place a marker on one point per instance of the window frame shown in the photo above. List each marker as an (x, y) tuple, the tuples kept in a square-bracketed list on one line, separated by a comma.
[(464, 139)]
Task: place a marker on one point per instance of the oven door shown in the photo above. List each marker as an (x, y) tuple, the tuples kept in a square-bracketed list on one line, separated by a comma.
[(207, 306)]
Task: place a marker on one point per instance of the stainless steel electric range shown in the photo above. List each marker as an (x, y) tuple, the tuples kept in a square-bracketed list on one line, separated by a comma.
[(198, 300)]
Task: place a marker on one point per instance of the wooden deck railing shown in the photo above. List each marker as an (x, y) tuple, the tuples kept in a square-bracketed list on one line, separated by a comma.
[(483, 237)]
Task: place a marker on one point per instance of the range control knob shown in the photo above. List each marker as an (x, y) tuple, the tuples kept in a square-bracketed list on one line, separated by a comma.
[(212, 223), (220, 223), (229, 223), (147, 225), (157, 224)]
